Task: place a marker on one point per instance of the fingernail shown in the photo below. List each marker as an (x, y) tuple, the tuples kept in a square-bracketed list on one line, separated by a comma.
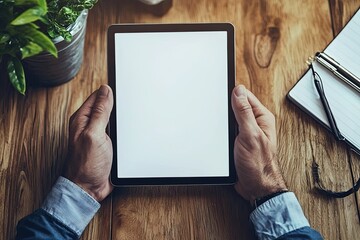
[(240, 91), (103, 90)]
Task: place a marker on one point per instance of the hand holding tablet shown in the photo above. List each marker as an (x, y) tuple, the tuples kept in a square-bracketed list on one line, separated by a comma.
[(172, 121)]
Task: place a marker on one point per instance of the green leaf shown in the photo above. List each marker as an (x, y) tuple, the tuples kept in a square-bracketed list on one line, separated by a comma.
[(16, 74), (26, 2), (30, 49), (43, 5), (44, 20), (33, 25), (31, 15), (54, 30), (4, 38), (67, 16), (38, 38)]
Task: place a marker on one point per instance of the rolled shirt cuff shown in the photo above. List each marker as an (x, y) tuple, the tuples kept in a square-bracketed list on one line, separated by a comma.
[(71, 205), (278, 216)]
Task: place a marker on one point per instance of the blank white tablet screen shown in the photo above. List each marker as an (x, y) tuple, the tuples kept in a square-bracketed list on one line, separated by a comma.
[(172, 104)]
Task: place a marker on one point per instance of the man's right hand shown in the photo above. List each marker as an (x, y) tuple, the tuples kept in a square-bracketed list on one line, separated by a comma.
[(255, 147)]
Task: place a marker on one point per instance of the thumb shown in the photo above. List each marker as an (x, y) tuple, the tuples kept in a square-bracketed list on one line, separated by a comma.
[(242, 109), (100, 111)]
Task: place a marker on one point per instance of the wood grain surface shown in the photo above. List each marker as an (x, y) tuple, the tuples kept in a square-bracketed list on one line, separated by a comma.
[(273, 41)]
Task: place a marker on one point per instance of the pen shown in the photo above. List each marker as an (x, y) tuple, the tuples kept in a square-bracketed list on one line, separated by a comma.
[(338, 70), (325, 103)]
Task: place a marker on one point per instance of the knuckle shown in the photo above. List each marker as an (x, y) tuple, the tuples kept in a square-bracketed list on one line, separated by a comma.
[(242, 106), (254, 140), (251, 140), (89, 136), (257, 135), (99, 108)]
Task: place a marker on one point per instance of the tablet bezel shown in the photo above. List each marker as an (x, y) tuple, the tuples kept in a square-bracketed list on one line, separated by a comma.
[(232, 126)]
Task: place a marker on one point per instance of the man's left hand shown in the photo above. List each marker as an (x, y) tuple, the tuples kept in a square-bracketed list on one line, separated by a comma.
[(90, 148)]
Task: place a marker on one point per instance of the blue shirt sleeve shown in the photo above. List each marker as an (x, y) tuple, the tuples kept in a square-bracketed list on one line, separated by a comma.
[(281, 217), (305, 233), (41, 225), (67, 209)]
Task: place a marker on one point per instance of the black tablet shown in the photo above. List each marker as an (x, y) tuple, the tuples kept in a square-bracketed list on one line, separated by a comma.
[(172, 121)]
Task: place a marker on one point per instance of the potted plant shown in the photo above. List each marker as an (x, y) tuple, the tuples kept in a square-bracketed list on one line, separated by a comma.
[(44, 37)]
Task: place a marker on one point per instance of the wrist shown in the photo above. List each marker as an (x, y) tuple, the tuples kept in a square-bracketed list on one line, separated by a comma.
[(269, 190), (270, 182), (98, 191), (264, 199)]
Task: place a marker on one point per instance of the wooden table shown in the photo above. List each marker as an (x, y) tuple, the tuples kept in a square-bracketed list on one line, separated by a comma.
[(273, 41)]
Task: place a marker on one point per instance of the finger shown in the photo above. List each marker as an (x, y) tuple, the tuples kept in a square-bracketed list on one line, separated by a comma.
[(243, 110), (264, 118), (101, 109), (80, 118), (257, 106)]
